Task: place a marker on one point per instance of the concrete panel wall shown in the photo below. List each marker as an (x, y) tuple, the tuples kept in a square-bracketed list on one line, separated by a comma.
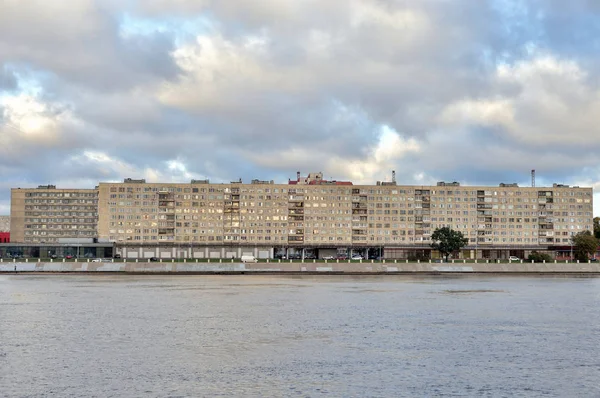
[(285, 266)]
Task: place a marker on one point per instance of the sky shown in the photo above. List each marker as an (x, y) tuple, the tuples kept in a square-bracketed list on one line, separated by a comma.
[(479, 92)]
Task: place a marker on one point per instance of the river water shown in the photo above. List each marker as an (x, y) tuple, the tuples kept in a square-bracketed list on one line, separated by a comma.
[(305, 336)]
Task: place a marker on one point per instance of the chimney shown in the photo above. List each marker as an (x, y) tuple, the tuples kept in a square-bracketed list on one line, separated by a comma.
[(298, 176)]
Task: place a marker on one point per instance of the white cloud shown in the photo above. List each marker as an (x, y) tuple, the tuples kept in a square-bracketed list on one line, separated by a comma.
[(390, 150), (408, 21), (485, 112), (543, 101), (28, 118), (174, 170)]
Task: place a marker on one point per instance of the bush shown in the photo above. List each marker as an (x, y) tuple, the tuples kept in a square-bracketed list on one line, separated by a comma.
[(539, 257), (581, 256), (418, 256)]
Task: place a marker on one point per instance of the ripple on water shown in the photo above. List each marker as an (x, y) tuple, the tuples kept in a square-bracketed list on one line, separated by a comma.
[(272, 337)]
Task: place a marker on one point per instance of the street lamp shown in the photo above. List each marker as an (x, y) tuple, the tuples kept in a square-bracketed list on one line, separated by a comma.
[(571, 247), (476, 242)]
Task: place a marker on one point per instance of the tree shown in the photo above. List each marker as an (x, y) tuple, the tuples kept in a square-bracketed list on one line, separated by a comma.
[(597, 227), (446, 240), (585, 245)]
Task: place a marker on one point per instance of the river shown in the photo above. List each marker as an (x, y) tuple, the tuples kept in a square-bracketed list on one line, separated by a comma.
[(304, 336)]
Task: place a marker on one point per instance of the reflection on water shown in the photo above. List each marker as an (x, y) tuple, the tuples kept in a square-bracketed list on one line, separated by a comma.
[(103, 335)]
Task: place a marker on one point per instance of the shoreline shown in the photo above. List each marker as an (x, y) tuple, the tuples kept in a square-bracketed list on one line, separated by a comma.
[(308, 273), (312, 268)]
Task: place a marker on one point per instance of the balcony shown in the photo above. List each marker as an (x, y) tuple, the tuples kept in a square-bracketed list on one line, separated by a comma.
[(359, 211)]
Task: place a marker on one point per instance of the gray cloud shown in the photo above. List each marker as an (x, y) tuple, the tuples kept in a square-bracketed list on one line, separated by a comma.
[(480, 92)]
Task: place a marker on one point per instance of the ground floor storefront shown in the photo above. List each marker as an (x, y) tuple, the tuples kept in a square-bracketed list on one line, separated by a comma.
[(411, 253), (291, 252)]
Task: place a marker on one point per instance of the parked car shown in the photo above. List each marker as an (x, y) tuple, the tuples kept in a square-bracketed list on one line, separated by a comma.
[(357, 257), (309, 257), (117, 255), (69, 256), (280, 256), (342, 257), (513, 258), (153, 259), (97, 260), (328, 257)]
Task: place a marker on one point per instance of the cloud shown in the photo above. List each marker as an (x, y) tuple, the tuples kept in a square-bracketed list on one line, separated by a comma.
[(542, 101), (478, 92)]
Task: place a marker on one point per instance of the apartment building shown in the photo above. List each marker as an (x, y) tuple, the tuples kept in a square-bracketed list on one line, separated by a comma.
[(307, 213), (47, 215)]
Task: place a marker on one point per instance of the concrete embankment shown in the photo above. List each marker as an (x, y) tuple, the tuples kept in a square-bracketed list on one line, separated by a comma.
[(309, 267)]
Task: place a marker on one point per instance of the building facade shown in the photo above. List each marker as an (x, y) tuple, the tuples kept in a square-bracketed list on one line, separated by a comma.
[(4, 229), (46, 214), (4, 223), (308, 215)]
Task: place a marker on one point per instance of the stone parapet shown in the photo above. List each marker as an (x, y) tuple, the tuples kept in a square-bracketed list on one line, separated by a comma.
[(296, 267)]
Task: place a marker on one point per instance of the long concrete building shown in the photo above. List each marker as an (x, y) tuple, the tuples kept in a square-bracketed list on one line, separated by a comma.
[(307, 215)]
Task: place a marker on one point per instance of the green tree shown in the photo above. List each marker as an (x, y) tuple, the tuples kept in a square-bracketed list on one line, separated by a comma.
[(585, 245), (446, 240), (597, 227), (539, 257)]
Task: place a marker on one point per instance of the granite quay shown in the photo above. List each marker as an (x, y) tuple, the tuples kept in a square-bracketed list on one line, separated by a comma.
[(233, 266)]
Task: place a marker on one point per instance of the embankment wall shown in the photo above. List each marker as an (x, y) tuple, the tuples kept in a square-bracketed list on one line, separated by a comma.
[(295, 267)]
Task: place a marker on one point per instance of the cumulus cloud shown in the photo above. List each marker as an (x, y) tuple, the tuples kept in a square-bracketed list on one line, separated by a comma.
[(479, 92)]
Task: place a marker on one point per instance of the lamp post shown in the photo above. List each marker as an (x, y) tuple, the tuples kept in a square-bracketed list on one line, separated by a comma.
[(78, 243), (476, 242), (571, 247)]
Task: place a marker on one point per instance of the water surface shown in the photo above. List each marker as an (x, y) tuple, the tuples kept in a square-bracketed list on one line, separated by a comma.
[(276, 336)]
